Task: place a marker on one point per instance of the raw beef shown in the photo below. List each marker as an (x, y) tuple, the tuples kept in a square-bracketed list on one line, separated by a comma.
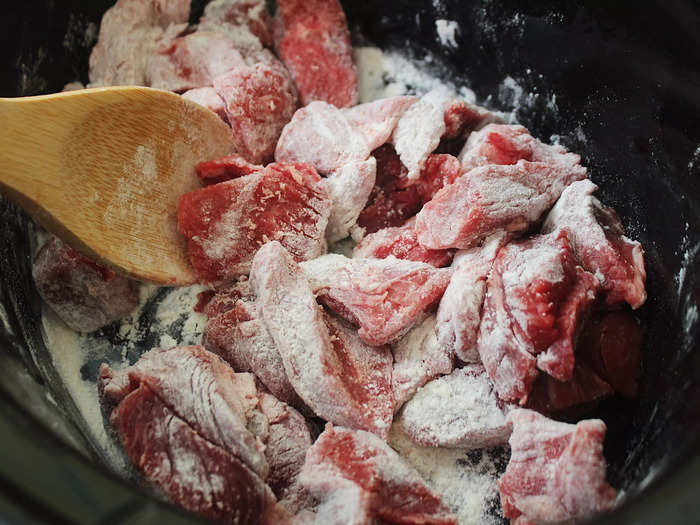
[(349, 188), (341, 459), (129, 34), (321, 135), (227, 222), (402, 243), (612, 343), (288, 439), (597, 236), (191, 470), (235, 332), (245, 22), (550, 396), (460, 410), (315, 45), (418, 131), (556, 471), (260, 101), (191, 61), (84, 294), (209, 98), (226, 168), (536, 298), (418, 358), (340, 378), (376, 120), (459, 312), (384, 297), (349, 505), (507, 144), (490, 199), (202, 391)]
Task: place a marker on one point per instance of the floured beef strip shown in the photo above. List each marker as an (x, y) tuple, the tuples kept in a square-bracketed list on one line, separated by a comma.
[(418, 358), (288, 439), (556, 471), (597, 236), (259, 102), (376, 120), (183, 416), (225, 168), (313, 40), (536, 299), (459, 312), (236, 333), (191, 61), (129, 34), (339, 377), (459, 410), (343, 459), (83, 293), (227, 222), (509, 143), (348, 188), (490, 199), (384, 297), (402, 243), (321, 135)]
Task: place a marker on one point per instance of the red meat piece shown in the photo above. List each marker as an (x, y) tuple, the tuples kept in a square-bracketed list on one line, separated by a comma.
[(490, 199), (84, 294), (384, 297), (192, 471), (226, 168), (395, 197), (597, 236), (402, 243), (191, 61), (321, 135), (203, 391), (462, 117), (288, 440), (348, 188), (227, 222), (245, 22), (342, 458), (535, 301), (315, 47), (341, 379), (418, 131), (459, 312), (388, 210), (460, 410), (556, 471), (507, 144), (209, 98), (129, 33), (345, 506), (550, 396), (612, 344), (259, 103), (235, 332), (418, 358), (376, 120)]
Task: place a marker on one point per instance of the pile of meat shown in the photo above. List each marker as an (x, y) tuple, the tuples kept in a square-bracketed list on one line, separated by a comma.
[(489, 287)]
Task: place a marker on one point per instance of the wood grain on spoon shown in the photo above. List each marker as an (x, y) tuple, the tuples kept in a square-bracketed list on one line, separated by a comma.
[(104, 169)]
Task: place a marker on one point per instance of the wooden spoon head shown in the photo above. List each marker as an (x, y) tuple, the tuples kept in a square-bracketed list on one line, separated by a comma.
[(128, 156)]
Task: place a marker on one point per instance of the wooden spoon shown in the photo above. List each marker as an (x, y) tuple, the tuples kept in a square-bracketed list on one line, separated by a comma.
[(104, 168)]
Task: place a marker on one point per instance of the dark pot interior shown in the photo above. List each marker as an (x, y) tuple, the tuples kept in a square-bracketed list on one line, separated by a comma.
[(618, 82)]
